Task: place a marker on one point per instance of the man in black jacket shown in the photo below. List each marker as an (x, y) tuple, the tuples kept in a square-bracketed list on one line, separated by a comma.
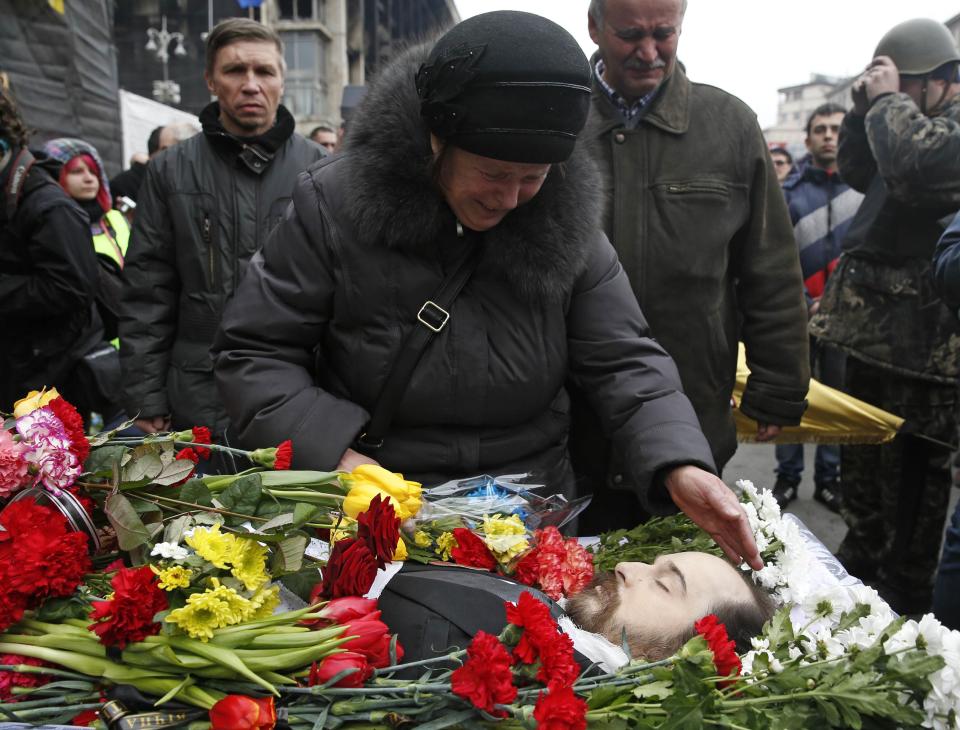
[(207, 204), (48, 274)]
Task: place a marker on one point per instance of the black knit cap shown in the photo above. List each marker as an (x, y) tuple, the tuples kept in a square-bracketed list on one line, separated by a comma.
[(508, 85)]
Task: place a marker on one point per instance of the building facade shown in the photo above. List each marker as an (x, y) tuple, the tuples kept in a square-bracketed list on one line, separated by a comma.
[(327, 45)]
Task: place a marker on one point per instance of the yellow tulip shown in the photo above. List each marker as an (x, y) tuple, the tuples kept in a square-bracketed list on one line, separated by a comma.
[(33, 400), (401, 552), (391, 483), (409, 507), (361, 494)]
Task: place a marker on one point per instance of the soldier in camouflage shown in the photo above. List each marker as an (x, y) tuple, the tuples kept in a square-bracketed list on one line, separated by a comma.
[(900, 145)]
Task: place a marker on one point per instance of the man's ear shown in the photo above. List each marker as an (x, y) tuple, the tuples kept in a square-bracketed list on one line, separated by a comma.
[(210, 86), (593, 29)]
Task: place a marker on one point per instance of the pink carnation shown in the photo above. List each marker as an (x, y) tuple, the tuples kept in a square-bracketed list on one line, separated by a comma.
[(565, 566), (13, 468), (47, 448)]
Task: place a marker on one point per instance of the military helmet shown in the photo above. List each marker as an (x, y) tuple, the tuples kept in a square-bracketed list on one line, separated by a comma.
[(918, 46)]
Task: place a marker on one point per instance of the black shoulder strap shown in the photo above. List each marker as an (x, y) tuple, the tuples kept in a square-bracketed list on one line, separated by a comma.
[(431, 319), (19, 171)]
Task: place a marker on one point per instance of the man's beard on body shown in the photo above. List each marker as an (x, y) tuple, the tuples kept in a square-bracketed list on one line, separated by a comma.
[(593, 608), (637, 65)]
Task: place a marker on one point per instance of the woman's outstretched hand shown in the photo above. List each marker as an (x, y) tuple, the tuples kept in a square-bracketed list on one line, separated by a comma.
[(706, 500), (352, 459)]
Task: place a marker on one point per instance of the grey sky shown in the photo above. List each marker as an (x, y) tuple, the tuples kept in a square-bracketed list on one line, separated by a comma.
[(753, 47)]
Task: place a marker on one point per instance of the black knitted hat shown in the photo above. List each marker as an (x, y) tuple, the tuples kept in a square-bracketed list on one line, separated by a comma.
[(508, 85)]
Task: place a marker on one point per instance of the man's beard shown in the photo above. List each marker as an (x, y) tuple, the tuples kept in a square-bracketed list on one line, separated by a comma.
[(593, 608), (637, 65)]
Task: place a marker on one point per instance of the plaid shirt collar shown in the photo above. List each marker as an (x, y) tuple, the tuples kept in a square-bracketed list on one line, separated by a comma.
[(630, 112)]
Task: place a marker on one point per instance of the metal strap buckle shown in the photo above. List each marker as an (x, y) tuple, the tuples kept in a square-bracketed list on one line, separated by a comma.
[(433, 316), (364, 444)]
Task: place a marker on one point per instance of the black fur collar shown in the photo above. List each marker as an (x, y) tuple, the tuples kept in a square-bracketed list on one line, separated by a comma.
[(540, 247)]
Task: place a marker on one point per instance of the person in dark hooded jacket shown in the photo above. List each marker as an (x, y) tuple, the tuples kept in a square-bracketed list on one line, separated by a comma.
[(464, 149), (48, 273)]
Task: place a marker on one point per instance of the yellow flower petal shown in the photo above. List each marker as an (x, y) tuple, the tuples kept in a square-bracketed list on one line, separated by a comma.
[(33, 400), (401, 552)]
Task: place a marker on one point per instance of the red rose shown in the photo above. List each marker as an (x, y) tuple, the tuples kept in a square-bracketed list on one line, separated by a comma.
[(379, 528), (336, 663), (724, 650), (73, 425), (239, 712), (560, 709), (128, 616), (284, 455), (485, 678), (471, 550), (350, 570), (201, 435)]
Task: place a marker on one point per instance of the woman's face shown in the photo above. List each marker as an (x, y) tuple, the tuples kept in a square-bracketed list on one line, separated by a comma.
[(81, 182), (481, 190)]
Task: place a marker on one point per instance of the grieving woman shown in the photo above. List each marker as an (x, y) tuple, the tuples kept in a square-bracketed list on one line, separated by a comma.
[(462, 214)]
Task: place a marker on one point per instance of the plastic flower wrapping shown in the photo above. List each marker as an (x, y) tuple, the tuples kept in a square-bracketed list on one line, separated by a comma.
[(246, 600)]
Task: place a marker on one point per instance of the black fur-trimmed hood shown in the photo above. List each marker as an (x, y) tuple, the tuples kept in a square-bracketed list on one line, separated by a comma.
[(540, 247)]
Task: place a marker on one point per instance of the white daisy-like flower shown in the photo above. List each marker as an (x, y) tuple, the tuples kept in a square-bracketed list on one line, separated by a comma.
[(170, 551)]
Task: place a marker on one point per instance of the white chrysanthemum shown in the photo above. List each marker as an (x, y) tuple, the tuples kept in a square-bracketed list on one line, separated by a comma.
[(822, 644), (760, 643), (170, 551)]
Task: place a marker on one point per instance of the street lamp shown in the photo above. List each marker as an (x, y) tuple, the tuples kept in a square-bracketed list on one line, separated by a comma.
[(158, 41)]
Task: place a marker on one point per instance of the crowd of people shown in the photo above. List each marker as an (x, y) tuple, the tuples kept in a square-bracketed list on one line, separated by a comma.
[(510, 241)]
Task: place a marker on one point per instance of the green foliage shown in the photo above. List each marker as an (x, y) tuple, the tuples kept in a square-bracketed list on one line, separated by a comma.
[(657, 536)]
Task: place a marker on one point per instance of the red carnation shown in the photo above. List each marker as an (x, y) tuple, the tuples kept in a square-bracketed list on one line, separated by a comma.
[(471, 550), (485, 678), (538, 626), (724, 650), (527, 570), (39, 558), (558, 668), (560, 709), (73, 424), (128, 616), (350, 570), (189, 454), (284, 456), (201, 435), (10, 679), (565, 566), (379, 528)]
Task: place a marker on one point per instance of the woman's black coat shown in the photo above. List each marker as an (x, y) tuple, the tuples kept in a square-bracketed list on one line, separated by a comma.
[(366, 242)]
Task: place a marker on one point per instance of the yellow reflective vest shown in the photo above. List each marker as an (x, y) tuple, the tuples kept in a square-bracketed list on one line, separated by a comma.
[(113, 237)]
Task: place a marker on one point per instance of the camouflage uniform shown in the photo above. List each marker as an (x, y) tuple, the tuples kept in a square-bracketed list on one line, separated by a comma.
[(881, 308)]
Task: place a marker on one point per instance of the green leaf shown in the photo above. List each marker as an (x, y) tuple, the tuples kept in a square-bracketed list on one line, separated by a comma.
[(288, 555), (55, 610), (657, 690), (298, 478), (176, 471), (130, 530), (196, 492), (303, 513), (176, 527), (242, 497), (302, 581), (142, 466), (605, 696), (278, 521), (101, 461)]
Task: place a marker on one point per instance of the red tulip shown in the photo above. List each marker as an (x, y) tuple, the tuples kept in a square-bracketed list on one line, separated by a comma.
[(370, 637), (239, 712), (343, 610), (336, 663)]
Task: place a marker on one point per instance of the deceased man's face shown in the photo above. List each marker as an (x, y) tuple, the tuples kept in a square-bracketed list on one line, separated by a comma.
[(657, 604)]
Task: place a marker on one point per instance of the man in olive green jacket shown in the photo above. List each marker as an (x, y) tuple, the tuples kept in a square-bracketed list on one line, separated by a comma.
[(695, 212)]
